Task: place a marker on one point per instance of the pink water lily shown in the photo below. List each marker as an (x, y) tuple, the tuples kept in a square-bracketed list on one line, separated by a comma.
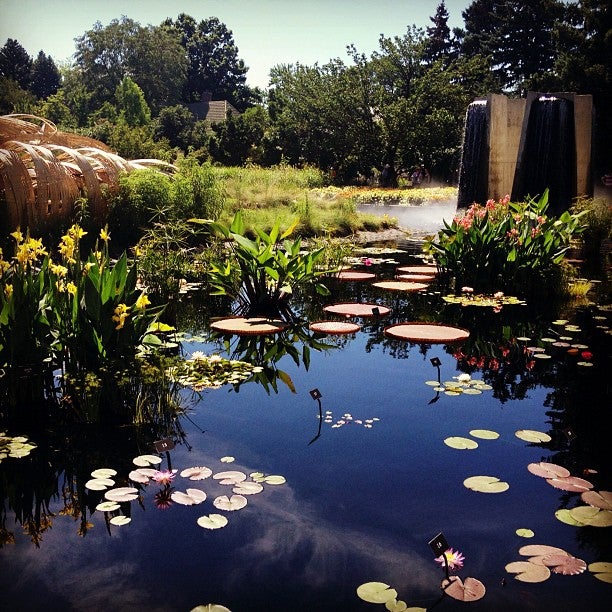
[(454, 557), (164, 477)]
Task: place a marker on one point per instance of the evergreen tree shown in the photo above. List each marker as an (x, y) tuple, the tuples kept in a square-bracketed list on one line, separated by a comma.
[(15, 63), (131, 103), (439, 44), (46, 78)]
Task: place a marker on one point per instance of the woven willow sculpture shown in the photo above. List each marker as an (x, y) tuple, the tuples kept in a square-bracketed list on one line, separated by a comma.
[(43, 172)]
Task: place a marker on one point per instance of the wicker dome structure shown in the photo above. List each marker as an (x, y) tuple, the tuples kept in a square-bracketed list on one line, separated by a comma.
[(43, 172)]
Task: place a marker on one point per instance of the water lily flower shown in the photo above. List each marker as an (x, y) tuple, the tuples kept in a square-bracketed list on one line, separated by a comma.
[(498, 295), (454, 557), (587, 355), (163, 498), (164, 477), (467, 290), (464, 378)]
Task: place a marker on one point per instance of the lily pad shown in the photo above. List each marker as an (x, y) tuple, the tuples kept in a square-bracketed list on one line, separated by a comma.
[(120, 520), (486, 484), (235, 502), (136, 476), (191, 497), (145, 460), (274, 480), (469, 589), (525, 533), (548, 470), (565, 516), (104, 473), (376, 592), (484, 434), (247, 488), (540, 550), (227, 459), (599, 499), (107, 506), (122, 494), (528, 572), (570, 483), (212, 521), (196, 473), (531, 435), (99, 484), (230, 478), (602, 570), (211, 608), (594, 517), (461, 443), (565, 564)]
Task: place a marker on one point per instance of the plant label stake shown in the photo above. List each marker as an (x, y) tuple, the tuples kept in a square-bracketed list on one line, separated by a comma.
[(316, 395), (439, 545), (435, 361), (163, 445)]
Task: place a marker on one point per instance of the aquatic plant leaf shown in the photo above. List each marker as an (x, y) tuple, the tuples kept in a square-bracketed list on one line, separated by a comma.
[(120, 520), (99, 484), (531, 435), (540, 550), (136, 476), (548, 470), (396, 605), (107, 506), (570, 483), (227, 459), (191, 497), (524, 533), (461, 443), (469, 589), (602, 570), (486, 484), (235, 502), (376, 592), (484, 434), (211, 608), (452, 392), (146, 460), (594, 517), (565, 564), (247, 488), (257, 476), (528, 572), (122, 494), (230, 478), (104, 473), (565, 516), (599, 499), (212, 521), (275, 480), (542, 356), (196, 473)]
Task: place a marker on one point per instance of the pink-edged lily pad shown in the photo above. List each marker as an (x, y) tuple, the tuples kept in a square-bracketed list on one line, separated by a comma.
[(334, 327), (357, 310), (230, 478), (400, 285), (528, 572), (431, 333), (598, 499), (429, 270), (548, 470), (565, 564), (196, 473), (570, 483), (469, 589), (354, 275), (540, 550), (249, 326)]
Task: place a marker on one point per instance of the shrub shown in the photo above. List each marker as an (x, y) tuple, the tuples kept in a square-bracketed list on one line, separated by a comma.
[(514, 247)]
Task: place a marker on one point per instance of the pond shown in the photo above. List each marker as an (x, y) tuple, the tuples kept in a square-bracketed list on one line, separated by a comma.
[(359, 433)]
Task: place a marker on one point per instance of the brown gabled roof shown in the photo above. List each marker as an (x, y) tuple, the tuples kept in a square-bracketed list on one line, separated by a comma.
[(213, 110)]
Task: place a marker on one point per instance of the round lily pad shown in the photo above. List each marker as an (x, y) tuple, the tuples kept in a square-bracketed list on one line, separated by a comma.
[(196, 473), (376, 592), (461, 443), (431, 333), (249, 326), (565, 516), (530, 435), (212, 521), (486, 484), (599, 499), (107, 506), (548, 470), (335, 327), (524, 533), (99, 484), (357, 310), (418, 278), (528, 572), (427, 270), (120, 520), (565, 564), (570, 483), (400, 285), (484, 434), (122, 494), (247, 488), (235, 502), (469, 589), (146, 460), (594, 517), (230, 478), (136, 476), (602, 570), (104, 473), (354, 275), (274, 479), (540, 550)]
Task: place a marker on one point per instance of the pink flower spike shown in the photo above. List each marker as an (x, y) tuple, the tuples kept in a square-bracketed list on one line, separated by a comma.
[(164, 477), (454, 557)]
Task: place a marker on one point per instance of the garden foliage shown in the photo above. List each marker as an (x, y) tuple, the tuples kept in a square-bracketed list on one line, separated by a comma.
[(507, 246)]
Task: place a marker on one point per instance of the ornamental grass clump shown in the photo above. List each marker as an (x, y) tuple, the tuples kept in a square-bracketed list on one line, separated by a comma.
[(513, 247)]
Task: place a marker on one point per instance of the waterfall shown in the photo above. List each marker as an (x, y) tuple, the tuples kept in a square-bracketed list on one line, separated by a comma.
[(474, 171)]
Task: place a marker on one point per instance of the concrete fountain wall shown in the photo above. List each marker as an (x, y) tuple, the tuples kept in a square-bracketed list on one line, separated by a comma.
[(520, 146)]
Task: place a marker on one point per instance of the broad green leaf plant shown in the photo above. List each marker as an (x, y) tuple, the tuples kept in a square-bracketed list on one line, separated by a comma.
[(262, 274)]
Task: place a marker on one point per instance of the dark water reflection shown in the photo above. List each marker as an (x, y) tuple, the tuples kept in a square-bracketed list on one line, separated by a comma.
[(360, 503)]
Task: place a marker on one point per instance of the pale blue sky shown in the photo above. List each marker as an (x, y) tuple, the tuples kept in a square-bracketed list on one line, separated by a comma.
[(266, 32)]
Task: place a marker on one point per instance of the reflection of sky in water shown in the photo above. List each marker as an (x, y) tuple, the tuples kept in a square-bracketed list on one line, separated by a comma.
[(359, 504)]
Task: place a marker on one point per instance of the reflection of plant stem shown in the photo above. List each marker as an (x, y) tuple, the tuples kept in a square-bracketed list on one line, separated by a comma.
[(320, 422)]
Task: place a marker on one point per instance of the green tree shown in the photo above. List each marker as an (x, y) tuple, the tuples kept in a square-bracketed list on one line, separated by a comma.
[(213, 62), (175, 123), (14, 99), (131, 103), (15, 63), (45, 76), (440, 45), (517, 36), (55, 109)]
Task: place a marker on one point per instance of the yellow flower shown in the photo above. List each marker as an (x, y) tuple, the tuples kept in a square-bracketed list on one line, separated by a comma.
[(29, 250), (58, 269), (76, 232), (143, 301), (104, 234), (87, 267), (121, 313), (71, 288), (8, 291), (18, 236)]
